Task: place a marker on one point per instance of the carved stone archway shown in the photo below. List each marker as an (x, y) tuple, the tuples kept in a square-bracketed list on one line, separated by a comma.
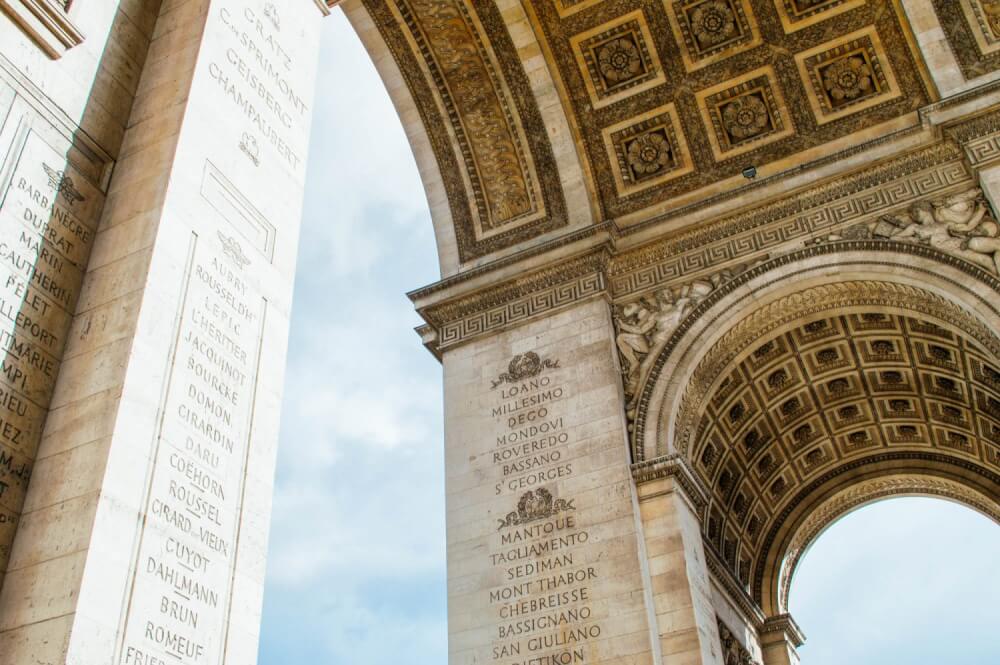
[(813, 383)]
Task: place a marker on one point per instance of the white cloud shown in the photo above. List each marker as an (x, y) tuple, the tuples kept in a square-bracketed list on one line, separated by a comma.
[(357, 537)]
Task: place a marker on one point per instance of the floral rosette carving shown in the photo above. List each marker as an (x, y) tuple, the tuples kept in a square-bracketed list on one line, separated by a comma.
[(745, 117), (648, 154), (713, 23), (848, 79), (619, 61)]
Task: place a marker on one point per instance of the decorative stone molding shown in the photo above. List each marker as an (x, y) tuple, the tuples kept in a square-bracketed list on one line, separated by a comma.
[(47, 22), (828, 206), (644, 326), (736, 590), (980, 138), (831, 296), (923, 460), (785, 625), (972, 29), (960, 224), (934, 173), (563, 284), (677, 467), (733, 651), (482, 119), (802, 306)]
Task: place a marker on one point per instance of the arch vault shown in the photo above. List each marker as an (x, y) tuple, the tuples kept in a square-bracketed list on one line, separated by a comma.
[(713, 272)]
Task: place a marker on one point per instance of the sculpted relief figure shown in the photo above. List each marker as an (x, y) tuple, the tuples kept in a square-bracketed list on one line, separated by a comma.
[(959, 224), (646, 325)]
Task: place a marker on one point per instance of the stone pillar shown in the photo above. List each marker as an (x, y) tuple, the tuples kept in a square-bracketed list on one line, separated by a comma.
[(779, 638), (681, 586), (144, 529), (545, 559)]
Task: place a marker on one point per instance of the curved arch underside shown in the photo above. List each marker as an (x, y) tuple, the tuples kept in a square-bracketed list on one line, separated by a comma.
[(546, 116), (859, 494), (836, 394)]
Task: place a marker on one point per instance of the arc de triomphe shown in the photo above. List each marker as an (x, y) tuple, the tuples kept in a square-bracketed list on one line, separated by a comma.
[(713, 274)]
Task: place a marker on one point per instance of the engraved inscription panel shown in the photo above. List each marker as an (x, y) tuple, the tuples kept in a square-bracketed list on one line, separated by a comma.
[(543, 554), (180, 601), (48, 219)]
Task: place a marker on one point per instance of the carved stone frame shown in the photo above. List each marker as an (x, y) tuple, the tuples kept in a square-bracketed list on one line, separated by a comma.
[(47, 22)]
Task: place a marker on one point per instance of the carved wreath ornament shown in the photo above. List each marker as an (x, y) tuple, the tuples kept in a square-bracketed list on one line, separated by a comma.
[(524, 366), (536, 505)]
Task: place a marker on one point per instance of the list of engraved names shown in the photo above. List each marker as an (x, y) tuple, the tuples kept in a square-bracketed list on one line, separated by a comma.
[(542, 610), (47, 227), (181, 594)]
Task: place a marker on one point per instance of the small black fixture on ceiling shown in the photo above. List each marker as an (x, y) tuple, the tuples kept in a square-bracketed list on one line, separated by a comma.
[(750, 172)]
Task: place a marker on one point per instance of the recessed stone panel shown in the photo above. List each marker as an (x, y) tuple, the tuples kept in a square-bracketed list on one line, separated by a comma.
[(847, 76), (543, 558), (48, 222), (649, 151), (618, 59), (799, 14), (745, 114), (712, 30)]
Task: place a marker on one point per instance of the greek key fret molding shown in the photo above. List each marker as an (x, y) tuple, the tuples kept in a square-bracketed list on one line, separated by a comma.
[(518, 300), (979, 138), (828, 206), (708, 255)]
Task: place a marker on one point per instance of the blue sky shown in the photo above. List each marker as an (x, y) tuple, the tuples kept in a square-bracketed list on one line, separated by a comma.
[(356, 574)]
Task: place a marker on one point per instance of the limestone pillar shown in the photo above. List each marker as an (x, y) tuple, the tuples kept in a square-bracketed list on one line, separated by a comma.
[(545, 560), (144, 527), (779, 638), (680, 582)]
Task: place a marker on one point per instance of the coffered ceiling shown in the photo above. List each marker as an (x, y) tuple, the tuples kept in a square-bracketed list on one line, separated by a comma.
[(659, 102)]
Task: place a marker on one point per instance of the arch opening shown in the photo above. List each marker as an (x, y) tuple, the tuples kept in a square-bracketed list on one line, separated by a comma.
[(793, 402), (881, 583)]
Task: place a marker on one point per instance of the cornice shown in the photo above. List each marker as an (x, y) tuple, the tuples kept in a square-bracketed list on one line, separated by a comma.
[(595, 261), (785, 624), (677, 467)]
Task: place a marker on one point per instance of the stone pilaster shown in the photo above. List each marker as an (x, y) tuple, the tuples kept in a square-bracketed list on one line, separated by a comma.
[(679, 576), (145, 526), (779, 637), (544, 550)]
